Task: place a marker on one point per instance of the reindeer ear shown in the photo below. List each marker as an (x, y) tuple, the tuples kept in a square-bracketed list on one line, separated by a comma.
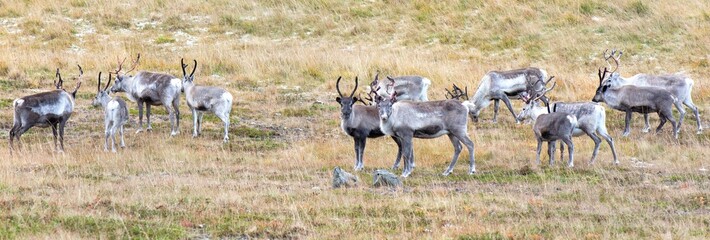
[(355, 99), (337, 99)]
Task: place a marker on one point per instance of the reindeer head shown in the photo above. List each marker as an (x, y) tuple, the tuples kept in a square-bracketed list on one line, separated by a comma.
[(120, 84), (532, 106), (603, 86), (384, 103), (101, 94), (187, 79), (346, 102), (59, 84)]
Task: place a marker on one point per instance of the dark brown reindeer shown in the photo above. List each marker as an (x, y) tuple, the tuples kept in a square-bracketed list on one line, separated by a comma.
[(360, 122), (678, 84), (406, 120), (48, 109), (630, 98), (151, 89)]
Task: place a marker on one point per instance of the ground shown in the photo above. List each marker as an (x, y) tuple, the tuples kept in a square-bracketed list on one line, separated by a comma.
[(280, 59)]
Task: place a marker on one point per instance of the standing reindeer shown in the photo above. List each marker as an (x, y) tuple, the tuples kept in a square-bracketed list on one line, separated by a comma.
[(406, 120), (629, 98), (360, 122), (680, 85), (407, 87), (202, 99), (151, 89), (591, 119), (115, 114), (504, 85), (47, 109)]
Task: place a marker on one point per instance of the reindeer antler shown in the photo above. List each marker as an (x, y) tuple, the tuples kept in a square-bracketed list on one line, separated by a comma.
[(58, 83), (337, 86), (193, 69), (98, 86), (108, 84), (545, 90), (120, 64), (616, 58)]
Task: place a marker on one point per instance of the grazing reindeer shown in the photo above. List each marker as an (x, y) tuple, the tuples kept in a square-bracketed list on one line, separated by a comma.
[(47, 109), (151, 89), (678, 84), (591, 119), (407, 87), (360, 122), (407, 119), (115, 114), (629, 98), (504, 85), (202, 99)]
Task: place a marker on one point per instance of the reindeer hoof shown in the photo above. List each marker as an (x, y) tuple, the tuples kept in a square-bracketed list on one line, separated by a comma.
[(139, 130), (645, 130), (626, 134)]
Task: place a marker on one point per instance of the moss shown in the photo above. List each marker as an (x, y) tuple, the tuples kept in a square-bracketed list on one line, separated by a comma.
[(164, 39)]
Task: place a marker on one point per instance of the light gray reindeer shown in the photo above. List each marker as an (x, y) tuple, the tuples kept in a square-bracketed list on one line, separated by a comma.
[(202, 99), (591, 119), (413, 88), (360, 122), (680, 85), (406, 120), (629, 98), (151, 89), (47, 109), (115, 114), (504, 85)]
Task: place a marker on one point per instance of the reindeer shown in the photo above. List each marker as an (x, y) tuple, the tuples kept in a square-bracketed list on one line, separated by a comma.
[(591, 119), (360, 122), (407, 87), (151, 89), (202, 99), (678, 84), (630, 98), (47, 109), (115, 114), (504, 85), (406, 120)]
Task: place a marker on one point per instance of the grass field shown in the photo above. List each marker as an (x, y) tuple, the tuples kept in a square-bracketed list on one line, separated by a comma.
[(280, 60)]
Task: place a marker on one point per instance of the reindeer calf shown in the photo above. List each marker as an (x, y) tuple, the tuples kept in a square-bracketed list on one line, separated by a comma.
[(115, 114)]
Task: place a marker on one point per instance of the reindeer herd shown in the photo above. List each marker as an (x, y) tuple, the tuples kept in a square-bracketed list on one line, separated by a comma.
[(399, 107), (54, 108)]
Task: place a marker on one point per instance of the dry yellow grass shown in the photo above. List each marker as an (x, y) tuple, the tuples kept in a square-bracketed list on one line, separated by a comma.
[(280, 59)]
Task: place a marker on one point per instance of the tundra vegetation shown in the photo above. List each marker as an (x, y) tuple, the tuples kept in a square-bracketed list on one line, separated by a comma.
[(279, 60)]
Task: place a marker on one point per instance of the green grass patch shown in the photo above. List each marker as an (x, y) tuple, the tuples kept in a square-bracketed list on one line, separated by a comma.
[(246, 131), (164, 39), (639, 8), (117, 228)]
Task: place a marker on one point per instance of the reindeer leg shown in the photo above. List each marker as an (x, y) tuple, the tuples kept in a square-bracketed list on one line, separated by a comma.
[(681, 110), (140, 116), (663, 118), (496, 104), (176, 108), (113, 137), (539, 149), (562, 151), (628, 120), (225, 119), (602, 131), (407, 148), (471, 152), (647, 126), (597, 143), (107, 133), (399, 153), (360, 163), (194, 123), (356, 147), (506, 100), (689, 102), (457, 150), (123, 143), (551, 145), (62, 124), (54, 133), (149, 126), (570, 146)]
